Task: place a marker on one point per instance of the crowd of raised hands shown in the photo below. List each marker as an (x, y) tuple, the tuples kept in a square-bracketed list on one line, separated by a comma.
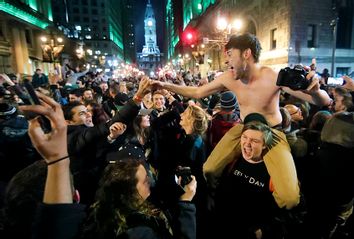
[(52, 146)]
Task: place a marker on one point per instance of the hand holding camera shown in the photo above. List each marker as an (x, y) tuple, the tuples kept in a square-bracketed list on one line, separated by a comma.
[(299, 78), (294, 78), (185, 175), (186, 182)]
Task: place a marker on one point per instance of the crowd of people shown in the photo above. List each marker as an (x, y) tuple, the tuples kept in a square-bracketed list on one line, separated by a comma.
[(235, 156)]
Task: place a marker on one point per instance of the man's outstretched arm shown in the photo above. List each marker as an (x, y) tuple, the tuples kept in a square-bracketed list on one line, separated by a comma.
[(193, 91)]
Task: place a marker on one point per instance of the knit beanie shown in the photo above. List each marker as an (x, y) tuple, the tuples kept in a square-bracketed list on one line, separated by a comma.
[(228, 101)]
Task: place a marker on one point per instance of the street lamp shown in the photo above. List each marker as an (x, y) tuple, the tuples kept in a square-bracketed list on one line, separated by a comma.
[(226, 28), (51, 48), (198, 53)]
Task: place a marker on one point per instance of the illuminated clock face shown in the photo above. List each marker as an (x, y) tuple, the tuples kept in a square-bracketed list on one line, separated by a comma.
[(149, 23)]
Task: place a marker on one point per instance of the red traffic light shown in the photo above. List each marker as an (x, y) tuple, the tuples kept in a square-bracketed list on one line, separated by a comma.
[(189, 36)]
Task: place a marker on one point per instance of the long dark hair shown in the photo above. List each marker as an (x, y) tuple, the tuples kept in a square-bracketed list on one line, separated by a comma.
[(116, 199), (138, 131)]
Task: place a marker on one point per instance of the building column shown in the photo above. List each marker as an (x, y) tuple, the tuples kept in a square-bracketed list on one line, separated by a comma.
[(20, 51), (17, 49), (26, 66)]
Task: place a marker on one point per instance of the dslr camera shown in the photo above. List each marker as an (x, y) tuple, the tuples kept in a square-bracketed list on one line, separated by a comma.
[(294, 78), (186, 175)]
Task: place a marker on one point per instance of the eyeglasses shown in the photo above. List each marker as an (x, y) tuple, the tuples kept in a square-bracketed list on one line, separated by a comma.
[(297, 111)]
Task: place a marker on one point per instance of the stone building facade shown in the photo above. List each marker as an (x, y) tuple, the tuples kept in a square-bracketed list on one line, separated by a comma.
[(291, 31), (21, 25)]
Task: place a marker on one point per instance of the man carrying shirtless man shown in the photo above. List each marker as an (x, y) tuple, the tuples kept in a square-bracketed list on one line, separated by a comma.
[(256, 91)]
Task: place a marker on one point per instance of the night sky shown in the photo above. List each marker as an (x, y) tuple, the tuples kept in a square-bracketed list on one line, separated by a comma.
[(158, 6)]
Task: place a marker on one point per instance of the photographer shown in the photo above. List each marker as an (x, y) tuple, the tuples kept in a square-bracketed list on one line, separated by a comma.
[(256, 90)]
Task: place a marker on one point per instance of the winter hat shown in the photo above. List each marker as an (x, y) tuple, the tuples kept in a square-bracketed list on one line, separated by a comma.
[(228, 101), (6, 110), (255, 117)]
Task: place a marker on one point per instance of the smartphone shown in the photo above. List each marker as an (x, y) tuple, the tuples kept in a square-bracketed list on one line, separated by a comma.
[(31, 93), (335, 81), (33, 98)]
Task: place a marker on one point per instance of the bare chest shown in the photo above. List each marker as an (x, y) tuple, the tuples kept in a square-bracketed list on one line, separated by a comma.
[(257, 93), (260, 96)]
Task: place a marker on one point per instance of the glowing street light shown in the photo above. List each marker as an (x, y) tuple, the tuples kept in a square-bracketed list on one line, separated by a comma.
[(51, 49), (224, 26), (237, 25), (221, 24)]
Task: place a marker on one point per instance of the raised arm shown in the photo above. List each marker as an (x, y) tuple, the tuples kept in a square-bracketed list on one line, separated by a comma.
[(192, 91), (131, 109), (53, 148), (349, 83)]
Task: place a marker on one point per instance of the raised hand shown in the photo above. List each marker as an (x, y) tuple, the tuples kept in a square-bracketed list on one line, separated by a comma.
[(190, 190), (315, 83), (144, 87), (53, 145), (5, 79), (349, 83), (116, 130), (53, 148), (157, 85)]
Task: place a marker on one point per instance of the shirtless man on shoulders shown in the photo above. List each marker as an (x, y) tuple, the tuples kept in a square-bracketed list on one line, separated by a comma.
[(256, 91)]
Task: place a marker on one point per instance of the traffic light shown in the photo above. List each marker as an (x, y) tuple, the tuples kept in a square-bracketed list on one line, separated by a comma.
[(189, 36)]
